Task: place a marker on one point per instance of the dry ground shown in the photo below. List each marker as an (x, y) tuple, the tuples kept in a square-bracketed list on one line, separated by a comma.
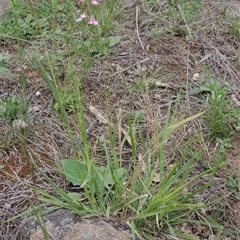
[(119, 82)]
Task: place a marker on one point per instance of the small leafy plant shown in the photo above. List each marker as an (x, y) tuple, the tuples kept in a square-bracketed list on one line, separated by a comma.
[(13, 108), (221, 118), (234, 184), (180, 15), (3, 64), (234, 26)]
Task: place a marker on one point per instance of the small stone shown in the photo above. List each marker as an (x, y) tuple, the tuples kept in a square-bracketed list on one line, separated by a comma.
[(196, 76), (38, 94)]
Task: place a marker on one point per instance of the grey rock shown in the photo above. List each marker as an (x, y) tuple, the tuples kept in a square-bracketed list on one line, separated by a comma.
[(65, 225)]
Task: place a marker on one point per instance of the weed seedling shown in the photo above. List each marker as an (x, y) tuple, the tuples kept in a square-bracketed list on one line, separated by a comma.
[(13, 108), (3, 64), (220, 116), (234, 184)]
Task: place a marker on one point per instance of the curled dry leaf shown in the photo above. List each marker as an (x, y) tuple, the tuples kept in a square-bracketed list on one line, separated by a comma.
[(103, 119), (156, 177), (100, 116)]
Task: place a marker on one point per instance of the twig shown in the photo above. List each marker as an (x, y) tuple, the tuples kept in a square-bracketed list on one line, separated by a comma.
[(137, 28)]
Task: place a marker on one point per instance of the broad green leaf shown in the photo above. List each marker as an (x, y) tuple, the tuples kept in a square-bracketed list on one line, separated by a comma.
[(188, 37), (120, 174), (74, 171), (114, 41), (75, 196)]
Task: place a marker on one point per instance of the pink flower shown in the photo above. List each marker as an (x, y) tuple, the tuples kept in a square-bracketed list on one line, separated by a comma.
[(93, 21), (95, 2), (81, 1), (82, 16)]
